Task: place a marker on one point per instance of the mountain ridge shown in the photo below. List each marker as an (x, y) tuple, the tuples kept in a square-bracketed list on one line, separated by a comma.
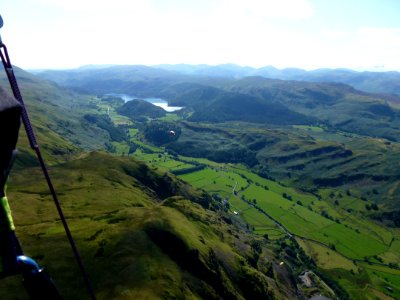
[(368, 81)]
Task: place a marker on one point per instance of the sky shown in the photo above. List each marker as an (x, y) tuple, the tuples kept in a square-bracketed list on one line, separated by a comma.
[(307, 34)]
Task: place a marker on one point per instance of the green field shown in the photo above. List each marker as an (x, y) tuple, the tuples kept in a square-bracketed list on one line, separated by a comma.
[(256, 220), (211, 180), (353, 237), (301, 215), (298, 219)]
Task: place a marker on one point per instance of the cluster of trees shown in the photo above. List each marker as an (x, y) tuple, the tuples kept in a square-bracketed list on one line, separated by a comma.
[(392, 218), (137, 109), (161, 133), (286, 196), (117, 133), (232, 153), (112, 100), (373, 206), (187, 170)]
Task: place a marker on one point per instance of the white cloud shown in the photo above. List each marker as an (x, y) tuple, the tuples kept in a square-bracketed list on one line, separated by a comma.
[(378, 46), (276, 9), (96, 6), (284, 33)]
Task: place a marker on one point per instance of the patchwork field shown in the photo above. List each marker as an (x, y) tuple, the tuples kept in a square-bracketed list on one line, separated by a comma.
[(334, 235), (329, 224)]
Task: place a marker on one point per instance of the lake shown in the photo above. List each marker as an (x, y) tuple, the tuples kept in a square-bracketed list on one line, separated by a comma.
[(155, 101)]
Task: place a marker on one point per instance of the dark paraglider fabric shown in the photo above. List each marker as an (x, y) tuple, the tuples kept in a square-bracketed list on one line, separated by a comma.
[(10, 111)]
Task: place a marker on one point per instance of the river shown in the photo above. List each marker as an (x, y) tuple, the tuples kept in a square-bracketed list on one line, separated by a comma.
[(155, 101)]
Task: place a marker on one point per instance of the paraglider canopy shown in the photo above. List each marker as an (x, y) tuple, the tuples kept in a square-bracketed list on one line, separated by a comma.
[(172, 133), (10, 111)]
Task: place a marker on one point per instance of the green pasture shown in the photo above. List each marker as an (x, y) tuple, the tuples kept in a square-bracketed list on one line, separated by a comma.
[(325, 257), (117, 119), (210, 180), (146, 157), (238, 205), (146, 146), (162, 160), (170, 117), (344, 201), (393, 254), (349, 242), (121, 147), (236, 178), (173, 165), (303, 222), (305, 198), (204, 161), (358, 285), (368, 227), (261, 224), (133, 131), (384, 278), (354, 236)]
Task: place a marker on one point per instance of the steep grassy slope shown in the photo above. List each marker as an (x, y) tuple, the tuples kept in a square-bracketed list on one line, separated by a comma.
[(57, 115), (138, 236)]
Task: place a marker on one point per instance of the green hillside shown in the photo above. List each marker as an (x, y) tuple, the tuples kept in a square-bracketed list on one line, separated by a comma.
[(237, 107), (138, 108), (336, 105), (139, 236), (58, 116)]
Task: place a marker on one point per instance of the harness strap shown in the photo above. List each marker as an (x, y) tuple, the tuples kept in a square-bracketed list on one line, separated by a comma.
[(6, 220), (34, 145)]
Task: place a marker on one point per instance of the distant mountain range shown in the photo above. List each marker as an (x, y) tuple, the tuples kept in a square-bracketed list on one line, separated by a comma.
[(373, 82)]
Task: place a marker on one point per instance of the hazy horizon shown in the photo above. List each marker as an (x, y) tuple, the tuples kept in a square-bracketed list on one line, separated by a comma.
[(103, 66), (306, 34)]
